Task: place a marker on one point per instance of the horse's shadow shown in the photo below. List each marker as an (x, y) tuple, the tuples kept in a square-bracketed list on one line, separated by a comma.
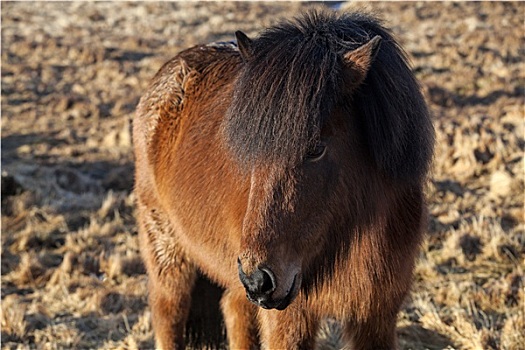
[(205, 326), (417, 337)]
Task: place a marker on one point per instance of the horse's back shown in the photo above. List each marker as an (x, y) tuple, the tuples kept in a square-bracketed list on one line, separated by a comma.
[(176, 83)]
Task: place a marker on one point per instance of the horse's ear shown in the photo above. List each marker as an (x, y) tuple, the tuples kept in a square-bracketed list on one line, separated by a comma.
[(359, 60), (245, 45), (391, 112)]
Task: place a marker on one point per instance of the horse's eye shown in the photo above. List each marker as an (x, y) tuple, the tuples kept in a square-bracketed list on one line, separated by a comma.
[(316, 152)]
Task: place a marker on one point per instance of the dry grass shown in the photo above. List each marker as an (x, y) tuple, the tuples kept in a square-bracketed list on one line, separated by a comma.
[(71, 75)]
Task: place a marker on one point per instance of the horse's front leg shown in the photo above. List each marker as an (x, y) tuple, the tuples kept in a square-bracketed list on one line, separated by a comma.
[(171, 278), (240, 319), (292, 328), (170, 300)]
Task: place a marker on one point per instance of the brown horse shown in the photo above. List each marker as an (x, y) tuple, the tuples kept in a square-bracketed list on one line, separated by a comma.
[(289, 169)]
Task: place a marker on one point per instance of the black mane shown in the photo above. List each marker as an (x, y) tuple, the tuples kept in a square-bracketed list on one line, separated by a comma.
[(284, 93)]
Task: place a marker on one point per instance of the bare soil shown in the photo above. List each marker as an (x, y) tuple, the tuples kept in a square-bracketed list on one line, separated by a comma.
[(72, 74)]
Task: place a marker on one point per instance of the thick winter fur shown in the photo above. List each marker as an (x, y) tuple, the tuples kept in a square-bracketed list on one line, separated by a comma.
[(228, 172)]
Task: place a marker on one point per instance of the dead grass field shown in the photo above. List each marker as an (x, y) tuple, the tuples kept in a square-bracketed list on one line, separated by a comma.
[(72, 74)]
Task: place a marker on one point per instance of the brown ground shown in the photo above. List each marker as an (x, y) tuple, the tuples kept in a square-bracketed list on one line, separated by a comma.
[(72, 74)]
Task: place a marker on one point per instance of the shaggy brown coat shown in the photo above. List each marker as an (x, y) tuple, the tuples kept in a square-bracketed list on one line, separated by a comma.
[(303, 154)]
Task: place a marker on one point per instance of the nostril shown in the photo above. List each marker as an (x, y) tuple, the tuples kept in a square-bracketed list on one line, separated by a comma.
[(259, 282), (268, 281)]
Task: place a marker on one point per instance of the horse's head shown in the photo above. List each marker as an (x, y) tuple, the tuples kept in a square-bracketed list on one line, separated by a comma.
[(293, 160), (292, 129)]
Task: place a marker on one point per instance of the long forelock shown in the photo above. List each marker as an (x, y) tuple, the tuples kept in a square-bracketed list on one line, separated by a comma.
[(285, 92)]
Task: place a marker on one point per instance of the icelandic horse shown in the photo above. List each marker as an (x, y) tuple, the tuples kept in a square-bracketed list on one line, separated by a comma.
[(289, 169)]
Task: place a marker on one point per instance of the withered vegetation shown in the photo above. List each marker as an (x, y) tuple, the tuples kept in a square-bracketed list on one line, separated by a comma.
[(72, 75)]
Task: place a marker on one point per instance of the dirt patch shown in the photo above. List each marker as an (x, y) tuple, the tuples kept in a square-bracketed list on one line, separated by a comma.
[(72, 74)]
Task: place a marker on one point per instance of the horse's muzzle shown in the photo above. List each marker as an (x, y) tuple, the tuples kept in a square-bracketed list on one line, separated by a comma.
[(261, 284)]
